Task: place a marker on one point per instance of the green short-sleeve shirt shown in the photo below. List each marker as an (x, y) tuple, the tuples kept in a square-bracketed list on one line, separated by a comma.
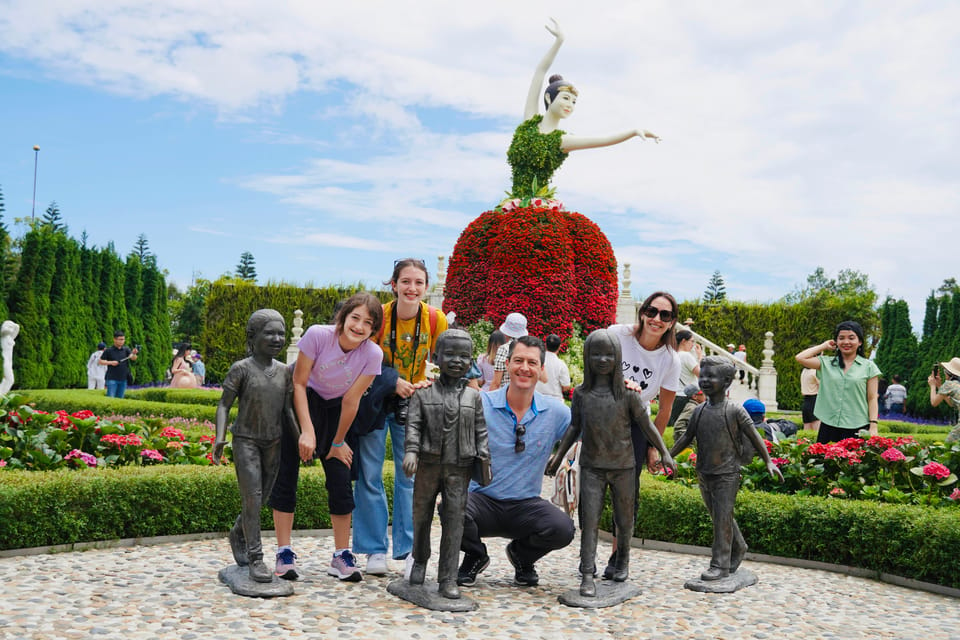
[(842, 401)]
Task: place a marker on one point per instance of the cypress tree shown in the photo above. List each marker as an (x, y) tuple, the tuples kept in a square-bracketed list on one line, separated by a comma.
[(30, 308), (156, 324), (69, 317), (133, 300)]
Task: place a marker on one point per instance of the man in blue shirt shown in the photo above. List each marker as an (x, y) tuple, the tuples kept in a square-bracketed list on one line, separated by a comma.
[(522, 427)]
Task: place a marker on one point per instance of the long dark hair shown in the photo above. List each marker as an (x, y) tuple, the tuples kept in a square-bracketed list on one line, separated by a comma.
[(669, 337), (589, 377), (848, 325), (494, 342)]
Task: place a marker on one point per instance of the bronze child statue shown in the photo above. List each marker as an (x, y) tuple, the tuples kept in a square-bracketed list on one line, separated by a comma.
[(724, 433), (602, 410), (446, 433), (265, 389)]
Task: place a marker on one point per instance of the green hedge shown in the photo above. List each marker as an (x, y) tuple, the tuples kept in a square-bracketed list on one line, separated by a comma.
[(61, 507), (904, 540), (197, 404), (209, 397)]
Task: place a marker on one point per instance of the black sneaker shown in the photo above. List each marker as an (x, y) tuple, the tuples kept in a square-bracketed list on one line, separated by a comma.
[(471, 566), (524, 575)]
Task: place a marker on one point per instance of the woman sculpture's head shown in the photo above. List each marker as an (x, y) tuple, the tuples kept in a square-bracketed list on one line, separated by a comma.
[(560, 96)]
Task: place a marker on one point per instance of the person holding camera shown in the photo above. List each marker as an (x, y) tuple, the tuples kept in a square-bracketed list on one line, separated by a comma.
[(948, 390), (408, 338), (117, 359)]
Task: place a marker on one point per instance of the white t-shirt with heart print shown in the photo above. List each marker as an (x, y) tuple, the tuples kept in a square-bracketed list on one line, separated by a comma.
[(652, 370)]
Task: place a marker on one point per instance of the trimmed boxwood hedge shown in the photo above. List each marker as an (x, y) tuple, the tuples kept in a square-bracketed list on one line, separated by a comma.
[(905, 540), (199, 404), (61, 507)]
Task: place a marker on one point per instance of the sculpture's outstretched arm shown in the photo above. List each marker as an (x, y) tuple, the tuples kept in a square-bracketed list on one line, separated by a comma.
[(573, 143), (532, 107)]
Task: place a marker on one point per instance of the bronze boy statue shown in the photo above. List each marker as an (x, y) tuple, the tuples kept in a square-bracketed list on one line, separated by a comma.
[(602, 410), (446, 432), (265, 389), (724, 431)]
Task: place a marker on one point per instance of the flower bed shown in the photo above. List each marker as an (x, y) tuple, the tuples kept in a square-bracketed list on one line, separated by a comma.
[(896, 470), (38, 440)]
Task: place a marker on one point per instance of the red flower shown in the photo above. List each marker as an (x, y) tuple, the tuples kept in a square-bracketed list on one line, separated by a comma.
[(936, 470)]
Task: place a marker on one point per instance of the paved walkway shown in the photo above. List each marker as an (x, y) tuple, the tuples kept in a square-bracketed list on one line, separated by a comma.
[(170, 590)]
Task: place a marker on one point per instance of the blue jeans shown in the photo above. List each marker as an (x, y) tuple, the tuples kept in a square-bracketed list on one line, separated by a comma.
[(370, 514), (116, 388)]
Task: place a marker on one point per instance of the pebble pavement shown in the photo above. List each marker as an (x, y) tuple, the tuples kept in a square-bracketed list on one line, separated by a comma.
[(170, 590)]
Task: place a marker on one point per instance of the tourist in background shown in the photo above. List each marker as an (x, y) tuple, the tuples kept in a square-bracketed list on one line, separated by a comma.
[(895, 396), (809, 388), (408, 339), (181, 369), (117, 359), (690, 353), (948, 390), (199, 369), (95, 370), (485, 361), (555, 370), (847, 401)]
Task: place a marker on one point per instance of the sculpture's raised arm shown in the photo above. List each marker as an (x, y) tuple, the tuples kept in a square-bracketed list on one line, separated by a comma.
[(532, 106)]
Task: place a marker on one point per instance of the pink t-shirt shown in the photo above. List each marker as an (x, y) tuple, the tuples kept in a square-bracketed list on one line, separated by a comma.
[(334, 371)]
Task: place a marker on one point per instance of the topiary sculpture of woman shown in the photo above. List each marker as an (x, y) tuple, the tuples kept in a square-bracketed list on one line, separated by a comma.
[(539, 146)]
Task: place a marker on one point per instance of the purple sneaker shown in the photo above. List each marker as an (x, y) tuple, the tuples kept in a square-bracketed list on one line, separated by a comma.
[(344, 566), (287, 565)]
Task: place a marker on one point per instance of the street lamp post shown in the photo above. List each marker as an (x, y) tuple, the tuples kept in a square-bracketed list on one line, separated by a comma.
[(36, 154)]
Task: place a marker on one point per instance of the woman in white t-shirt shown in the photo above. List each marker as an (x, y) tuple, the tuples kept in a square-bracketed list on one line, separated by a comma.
[(651, 366)]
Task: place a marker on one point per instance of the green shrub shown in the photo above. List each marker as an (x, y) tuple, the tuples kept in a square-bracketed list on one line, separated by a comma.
[(61, 507), (72, 400), (904, 540)]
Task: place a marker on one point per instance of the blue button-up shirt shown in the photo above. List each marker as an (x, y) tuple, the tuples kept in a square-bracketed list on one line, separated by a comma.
[(517, 476)]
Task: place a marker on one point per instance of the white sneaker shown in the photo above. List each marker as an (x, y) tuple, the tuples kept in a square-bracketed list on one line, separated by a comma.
[(377, 564), (408, 566)]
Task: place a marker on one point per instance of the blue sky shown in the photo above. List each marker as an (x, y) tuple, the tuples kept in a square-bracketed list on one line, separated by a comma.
[(331, 140)]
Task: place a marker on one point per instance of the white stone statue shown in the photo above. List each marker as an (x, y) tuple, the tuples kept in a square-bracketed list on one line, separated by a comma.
[(9, 331)]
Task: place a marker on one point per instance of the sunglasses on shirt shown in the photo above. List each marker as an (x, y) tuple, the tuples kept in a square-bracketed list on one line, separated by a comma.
[(519, 446), (665, 314)]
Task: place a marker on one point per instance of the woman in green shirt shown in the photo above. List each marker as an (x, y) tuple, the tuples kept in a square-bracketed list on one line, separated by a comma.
[(848, 398)]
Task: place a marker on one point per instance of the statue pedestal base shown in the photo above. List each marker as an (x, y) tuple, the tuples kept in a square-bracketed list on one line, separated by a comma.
[(239, 581), (427, 595), (608, 594), (734, 582)]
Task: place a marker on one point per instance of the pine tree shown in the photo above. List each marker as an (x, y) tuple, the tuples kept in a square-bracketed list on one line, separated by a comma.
[(247, 269), (53, 219), (716, 290), (30, 308), (141, 249)]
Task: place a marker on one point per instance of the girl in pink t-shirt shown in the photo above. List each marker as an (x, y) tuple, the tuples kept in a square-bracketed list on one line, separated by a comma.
[(335, 366)]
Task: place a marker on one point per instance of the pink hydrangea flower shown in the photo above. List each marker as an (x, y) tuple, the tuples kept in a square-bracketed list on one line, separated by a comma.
[(152, 454), (781, 461), (85, 458), (893, 455), (3, 463), (936, 470), (837, 491), (955, 495)]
